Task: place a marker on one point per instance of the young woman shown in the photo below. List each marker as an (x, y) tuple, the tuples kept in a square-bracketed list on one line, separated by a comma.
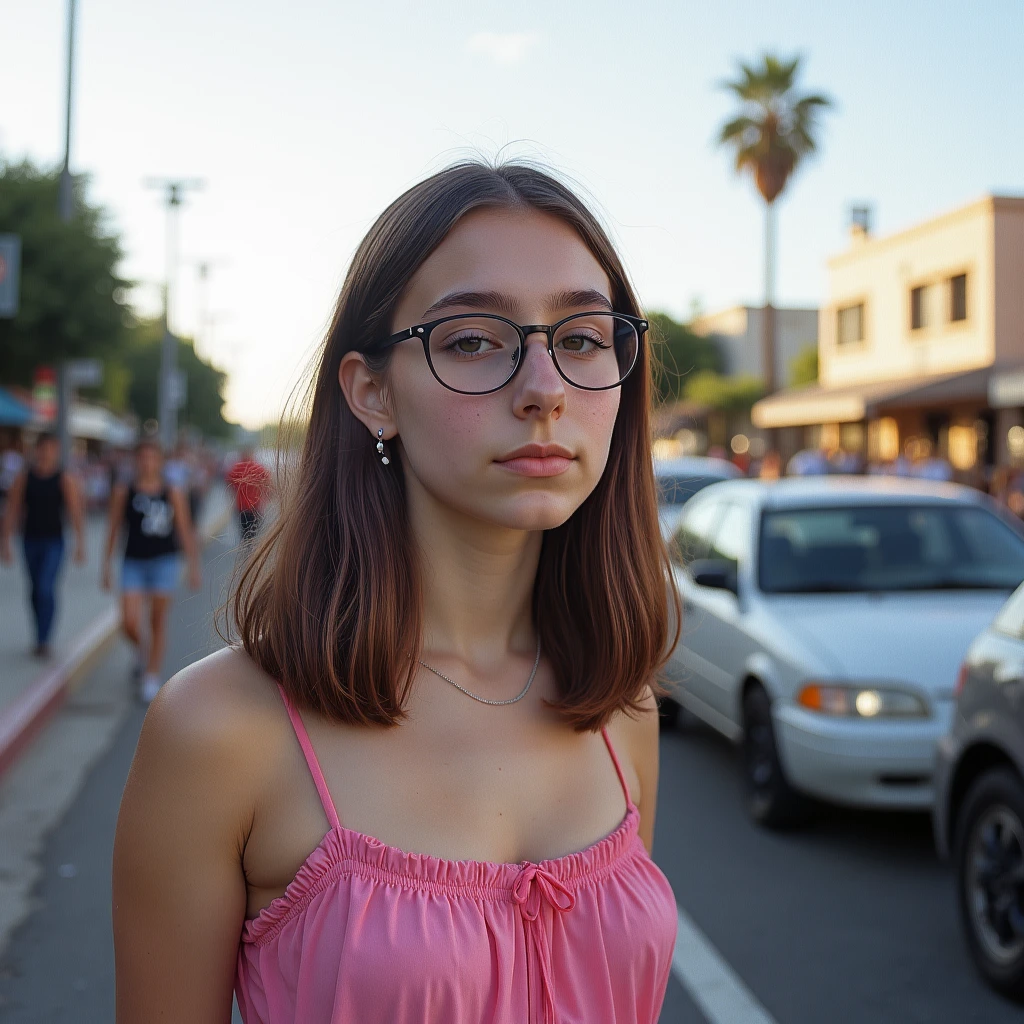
[(40, 498), (422, 788), (156, 519)]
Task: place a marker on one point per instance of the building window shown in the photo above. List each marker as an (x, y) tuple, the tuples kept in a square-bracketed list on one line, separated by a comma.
[(958, 297), (850, 324), (920, 312)]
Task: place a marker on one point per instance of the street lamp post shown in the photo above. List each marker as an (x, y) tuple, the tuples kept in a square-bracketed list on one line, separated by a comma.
[(170, 392), (65, 195)]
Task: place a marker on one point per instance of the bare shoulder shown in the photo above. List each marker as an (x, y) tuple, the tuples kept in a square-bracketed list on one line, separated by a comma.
[(221, 714), (637, 733), (635, 737)]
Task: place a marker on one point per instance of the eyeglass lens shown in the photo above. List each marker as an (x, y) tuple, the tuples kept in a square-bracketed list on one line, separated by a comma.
[(475, 353)]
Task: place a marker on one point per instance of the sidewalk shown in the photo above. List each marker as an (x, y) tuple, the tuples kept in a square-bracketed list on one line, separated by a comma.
[(86, 615)]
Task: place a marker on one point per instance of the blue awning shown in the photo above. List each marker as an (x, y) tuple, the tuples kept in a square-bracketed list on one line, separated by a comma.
[(13, 413)]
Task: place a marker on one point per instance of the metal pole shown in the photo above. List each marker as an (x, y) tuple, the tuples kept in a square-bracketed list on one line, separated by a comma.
[(66, 210), (167, 397), (168, 413), (65, 196), (65, 391)]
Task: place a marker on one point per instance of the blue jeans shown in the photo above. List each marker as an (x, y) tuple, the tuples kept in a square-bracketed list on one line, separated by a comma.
[(43, 556)]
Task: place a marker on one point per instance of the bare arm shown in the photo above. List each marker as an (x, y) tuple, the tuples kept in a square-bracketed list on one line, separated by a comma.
[(186, 535), (179, 891), (73, 501), (15, 497), (118, 499)]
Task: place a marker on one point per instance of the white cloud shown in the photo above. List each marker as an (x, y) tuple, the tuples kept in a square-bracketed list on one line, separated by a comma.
[(503, 47)]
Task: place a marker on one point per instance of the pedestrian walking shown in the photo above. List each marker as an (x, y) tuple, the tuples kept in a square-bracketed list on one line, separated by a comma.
[(421, 787), (155, 519), (251, 483), (39, 500)]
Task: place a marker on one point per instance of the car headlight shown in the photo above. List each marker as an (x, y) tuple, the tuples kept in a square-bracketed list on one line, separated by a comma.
[(846, 700)]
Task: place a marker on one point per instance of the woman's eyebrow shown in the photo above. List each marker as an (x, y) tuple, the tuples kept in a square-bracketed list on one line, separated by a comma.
[(500, 302)]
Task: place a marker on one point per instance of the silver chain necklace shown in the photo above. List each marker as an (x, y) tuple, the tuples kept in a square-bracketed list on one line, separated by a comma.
[(484, 700)]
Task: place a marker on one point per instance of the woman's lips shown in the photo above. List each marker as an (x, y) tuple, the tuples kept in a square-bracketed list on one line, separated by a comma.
[(527, 465)]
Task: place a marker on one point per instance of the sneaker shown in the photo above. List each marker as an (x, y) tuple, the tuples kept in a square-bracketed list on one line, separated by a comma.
[(150, 687)]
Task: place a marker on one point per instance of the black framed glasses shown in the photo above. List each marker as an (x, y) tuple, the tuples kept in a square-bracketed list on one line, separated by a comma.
[(479, 353)]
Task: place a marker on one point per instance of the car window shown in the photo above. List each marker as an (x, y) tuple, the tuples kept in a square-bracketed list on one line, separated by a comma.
[(693, 538), (732, 537), (1010, 619), (677, 490), (888, 548)]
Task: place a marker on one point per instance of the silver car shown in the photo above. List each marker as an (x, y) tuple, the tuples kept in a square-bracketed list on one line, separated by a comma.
[(979, 802), (825, 620), (680, 479)]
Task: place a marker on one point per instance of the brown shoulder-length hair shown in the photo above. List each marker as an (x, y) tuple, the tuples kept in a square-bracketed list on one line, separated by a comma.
[(329, 603)]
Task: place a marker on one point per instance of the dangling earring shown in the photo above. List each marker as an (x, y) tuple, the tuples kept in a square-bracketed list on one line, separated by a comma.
[(380, 447)]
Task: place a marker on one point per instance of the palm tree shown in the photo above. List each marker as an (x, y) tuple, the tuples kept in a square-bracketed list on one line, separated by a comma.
[(774, 131)]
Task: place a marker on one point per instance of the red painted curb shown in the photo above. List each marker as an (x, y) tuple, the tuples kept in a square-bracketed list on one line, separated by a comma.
[(23, 717)]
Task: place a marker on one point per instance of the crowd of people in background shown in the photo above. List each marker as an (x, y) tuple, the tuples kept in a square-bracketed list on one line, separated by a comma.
[(152, 503), (1003, 483)]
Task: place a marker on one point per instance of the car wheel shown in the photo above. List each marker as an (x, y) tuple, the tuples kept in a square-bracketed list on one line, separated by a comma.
[(989, 859), (771, 800)]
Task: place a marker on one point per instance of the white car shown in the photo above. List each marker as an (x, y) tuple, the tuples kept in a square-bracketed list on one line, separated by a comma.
[(825, 620), (680, 479)]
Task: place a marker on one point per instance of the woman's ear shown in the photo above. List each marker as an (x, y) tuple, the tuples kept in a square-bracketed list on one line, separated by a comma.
[(365, 395)]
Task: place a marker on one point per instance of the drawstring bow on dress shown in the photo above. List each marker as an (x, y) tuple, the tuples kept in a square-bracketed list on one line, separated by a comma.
[(532, 888)]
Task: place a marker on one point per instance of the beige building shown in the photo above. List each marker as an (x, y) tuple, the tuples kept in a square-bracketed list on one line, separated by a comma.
[(738, 333), (921, 343)]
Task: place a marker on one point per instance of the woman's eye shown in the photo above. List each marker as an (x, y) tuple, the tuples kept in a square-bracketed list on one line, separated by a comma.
[(580, 343), (469, 344)]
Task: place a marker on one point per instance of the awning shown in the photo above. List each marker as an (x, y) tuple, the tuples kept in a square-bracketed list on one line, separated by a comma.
[(13, 413), (817, 403)]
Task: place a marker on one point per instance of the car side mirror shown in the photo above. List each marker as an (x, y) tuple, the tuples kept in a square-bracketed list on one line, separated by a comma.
[(715, 574)]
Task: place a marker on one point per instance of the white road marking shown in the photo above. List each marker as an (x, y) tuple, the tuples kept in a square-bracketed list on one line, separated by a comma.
[(713, 985)]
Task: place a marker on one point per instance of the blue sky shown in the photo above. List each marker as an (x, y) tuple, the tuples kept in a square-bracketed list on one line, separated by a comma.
[(305, 118)]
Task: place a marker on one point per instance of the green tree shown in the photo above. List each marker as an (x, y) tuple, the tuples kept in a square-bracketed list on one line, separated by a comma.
[(724, 394), (803, 367), (774, 131), (204, 403), (679, 353), (72, 296)]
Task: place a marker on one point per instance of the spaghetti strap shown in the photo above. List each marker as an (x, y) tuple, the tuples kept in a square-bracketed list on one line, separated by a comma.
[(618, 768), (311, 759)]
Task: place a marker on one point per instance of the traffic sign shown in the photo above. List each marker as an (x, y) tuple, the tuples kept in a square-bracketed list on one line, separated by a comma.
[(10, 267)]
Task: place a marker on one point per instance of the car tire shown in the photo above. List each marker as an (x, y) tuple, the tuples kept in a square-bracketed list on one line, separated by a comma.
[(771, 801), (989, 861)]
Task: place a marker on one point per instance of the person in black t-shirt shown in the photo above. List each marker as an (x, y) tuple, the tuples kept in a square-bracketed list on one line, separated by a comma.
[(37, 503), (156, 520)]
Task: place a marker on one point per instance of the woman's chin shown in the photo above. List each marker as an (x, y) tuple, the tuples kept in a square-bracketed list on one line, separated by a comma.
[(535, 512)]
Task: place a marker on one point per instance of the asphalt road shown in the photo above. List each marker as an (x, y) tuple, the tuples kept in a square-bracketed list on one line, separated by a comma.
[(849, 920)]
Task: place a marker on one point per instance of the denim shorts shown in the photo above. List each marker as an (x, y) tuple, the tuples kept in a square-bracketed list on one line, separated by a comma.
[(158, 575)]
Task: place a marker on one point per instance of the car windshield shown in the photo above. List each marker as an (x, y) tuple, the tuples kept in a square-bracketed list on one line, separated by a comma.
[(888, 548), (678, 490)]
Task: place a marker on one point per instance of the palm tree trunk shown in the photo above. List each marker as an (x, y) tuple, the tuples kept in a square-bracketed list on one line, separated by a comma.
[(768, 319)]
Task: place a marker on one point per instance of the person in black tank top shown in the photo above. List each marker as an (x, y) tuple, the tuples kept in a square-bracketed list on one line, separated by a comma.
[(42, 496), (155, 520)]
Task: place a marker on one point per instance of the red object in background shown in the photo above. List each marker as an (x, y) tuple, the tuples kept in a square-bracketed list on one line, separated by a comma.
[(251, 482), (44, 393)]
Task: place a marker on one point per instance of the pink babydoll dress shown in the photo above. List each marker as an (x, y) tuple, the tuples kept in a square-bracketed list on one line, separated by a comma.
[(368, 934)]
